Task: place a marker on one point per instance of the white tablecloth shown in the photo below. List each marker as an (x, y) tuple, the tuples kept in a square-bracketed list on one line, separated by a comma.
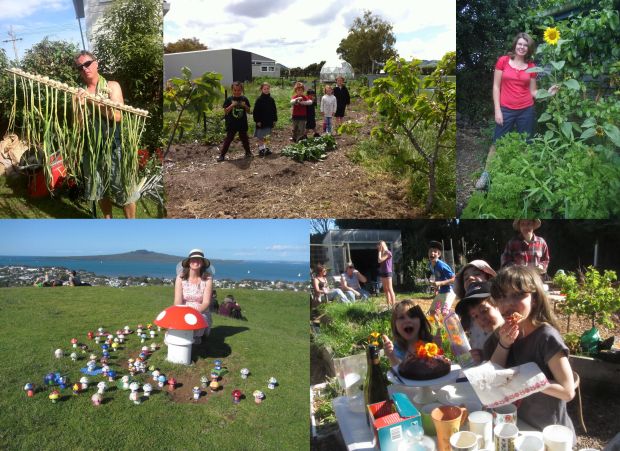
[(357, 434)]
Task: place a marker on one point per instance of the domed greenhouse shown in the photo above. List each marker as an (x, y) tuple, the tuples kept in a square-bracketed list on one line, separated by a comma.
[(333, 68)]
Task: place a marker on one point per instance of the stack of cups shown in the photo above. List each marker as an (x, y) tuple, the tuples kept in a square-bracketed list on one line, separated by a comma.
[(558, 438)]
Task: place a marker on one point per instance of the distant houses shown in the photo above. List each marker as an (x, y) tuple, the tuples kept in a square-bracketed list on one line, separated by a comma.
[(233, 64)]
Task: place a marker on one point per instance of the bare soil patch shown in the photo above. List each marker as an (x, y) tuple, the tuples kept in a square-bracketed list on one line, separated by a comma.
[(279, 187), (471, 154)]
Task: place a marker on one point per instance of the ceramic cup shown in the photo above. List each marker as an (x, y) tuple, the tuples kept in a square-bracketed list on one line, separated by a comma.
[(464, 441), (505, 436), (530, 443), (448, 420), (558, 438), (505, 414), (427, 421), (481, 423)]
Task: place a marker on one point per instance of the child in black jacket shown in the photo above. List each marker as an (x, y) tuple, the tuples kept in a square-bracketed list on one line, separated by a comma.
[(265, 115)]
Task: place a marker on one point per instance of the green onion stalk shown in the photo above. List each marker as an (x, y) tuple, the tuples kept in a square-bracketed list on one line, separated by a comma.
[(56, 123)]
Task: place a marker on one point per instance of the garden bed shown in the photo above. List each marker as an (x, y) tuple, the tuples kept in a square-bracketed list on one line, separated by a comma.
[(197, 186)]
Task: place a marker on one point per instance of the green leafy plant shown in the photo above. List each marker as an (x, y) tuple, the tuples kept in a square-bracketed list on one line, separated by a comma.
[(311, 149), (196, 96), (408, 102), (595, 297), (545, 178)]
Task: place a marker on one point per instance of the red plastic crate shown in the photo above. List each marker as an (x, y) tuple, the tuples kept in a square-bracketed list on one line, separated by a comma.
[(37, 180)]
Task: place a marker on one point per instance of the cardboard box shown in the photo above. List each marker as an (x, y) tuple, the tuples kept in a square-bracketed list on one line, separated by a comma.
[(391, 420)]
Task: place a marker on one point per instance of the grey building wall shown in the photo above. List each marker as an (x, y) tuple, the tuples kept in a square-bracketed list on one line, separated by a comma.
[(232, 64), (199, 62), (265, 67)]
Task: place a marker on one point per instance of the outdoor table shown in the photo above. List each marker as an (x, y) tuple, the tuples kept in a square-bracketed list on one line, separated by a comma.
[(358, 435)]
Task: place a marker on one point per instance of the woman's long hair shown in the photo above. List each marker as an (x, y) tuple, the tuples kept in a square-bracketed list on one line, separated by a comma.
[(531, 46), (523, 279)]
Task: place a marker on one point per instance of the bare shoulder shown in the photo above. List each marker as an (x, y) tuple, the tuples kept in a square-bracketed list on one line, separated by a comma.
[(116, 93)]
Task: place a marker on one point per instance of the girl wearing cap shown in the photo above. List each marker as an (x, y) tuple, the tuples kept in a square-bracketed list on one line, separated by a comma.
[(385, 272), (472, 272), (526, 249), (193, 288), (479, 316)]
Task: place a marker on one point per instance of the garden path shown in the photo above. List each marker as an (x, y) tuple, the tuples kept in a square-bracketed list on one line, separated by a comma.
[(197, 186)]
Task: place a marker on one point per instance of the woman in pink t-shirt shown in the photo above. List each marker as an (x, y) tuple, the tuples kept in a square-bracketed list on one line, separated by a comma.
[(514, 89)]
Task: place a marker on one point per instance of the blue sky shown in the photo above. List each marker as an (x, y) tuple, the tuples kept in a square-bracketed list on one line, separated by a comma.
[(33, 20), (251, 239)]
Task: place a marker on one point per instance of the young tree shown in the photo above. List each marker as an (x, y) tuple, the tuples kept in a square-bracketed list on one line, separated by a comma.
[(370, 39), (407, 110), (128, 44), (184, 45)]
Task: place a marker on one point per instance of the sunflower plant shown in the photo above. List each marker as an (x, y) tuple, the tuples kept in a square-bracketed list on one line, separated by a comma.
[(550, 52)]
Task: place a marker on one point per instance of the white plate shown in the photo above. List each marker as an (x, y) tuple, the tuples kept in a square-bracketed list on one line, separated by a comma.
[(452, 376), (457, 394)]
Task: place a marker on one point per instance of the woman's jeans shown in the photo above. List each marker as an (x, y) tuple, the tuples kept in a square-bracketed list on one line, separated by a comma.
[(337, 293), (523, 121)]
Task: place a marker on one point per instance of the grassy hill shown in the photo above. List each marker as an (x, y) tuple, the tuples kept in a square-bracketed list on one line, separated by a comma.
[(272, 342)]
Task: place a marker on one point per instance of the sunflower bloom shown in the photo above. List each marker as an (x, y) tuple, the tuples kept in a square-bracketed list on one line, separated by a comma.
[(552, 36)]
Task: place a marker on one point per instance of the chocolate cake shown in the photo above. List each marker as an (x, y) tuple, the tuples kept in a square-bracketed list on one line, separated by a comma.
[(425, 368)]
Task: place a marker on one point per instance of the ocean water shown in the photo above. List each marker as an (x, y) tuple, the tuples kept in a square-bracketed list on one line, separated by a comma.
[(224, 269)]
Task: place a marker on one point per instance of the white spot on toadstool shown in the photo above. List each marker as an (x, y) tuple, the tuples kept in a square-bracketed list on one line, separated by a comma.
[(190, 319), (161, 315)]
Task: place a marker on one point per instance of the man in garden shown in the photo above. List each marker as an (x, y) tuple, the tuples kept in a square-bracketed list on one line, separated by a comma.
[(526, 248), (350, 283), (103, 178)]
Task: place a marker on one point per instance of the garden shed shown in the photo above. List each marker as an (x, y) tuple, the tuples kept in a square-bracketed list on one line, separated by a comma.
[(360, 247), (333, 68)]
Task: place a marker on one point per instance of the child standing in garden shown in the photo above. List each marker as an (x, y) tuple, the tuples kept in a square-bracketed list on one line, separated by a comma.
[(409, 325), (530, 334), (443, 278), (311, 114), (265, 115), (300, 104), (343, 99), (328, 108), (236, 108)]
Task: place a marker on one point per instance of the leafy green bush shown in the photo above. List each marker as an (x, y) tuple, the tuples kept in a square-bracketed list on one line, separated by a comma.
[(595, 297), (311, 149), (549, 178)]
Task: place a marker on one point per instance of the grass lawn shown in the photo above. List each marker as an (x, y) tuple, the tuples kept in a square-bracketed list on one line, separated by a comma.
[(346, 330), (15, 203), (272, 342)]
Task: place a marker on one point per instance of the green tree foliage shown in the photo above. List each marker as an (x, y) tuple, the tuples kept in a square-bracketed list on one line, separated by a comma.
[(6, 93), (421, 109), (370, 38), (196, 96), (184, 45), (128, 44), (54, 59)]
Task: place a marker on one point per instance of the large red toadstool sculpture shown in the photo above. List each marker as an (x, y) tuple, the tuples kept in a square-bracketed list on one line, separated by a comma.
[(181, 321)]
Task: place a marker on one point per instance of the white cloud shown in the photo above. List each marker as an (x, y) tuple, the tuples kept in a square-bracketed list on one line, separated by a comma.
[(11, 9), (299, 33)]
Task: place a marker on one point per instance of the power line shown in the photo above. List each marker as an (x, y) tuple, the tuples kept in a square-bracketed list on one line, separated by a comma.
[(13, 39)]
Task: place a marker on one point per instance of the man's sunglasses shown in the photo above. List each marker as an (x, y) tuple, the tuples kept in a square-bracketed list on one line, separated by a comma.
[(86, 64)]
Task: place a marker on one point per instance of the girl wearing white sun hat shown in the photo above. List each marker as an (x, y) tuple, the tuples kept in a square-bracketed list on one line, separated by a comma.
[(194, 286)]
